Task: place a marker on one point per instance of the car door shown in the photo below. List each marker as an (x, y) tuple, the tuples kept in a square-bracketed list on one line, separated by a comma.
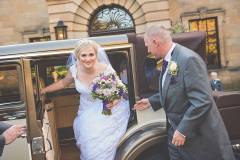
[(34, 108), (13, 106)]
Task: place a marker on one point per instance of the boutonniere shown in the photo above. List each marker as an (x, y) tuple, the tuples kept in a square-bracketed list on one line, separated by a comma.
[(173, 68)]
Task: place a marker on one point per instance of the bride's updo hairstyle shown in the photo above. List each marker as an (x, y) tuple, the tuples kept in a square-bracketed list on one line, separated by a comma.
[(84, 44)]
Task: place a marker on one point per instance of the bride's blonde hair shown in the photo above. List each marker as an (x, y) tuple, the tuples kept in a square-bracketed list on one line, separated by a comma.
[(84, 44)]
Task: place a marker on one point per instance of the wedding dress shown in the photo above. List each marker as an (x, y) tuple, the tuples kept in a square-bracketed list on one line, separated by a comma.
[(98, 135)]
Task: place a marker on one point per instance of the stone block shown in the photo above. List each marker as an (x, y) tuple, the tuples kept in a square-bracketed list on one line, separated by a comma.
[(78, 34), (140, 29), (155, 5), (128, 4), (140, 20), (165, 23), (138, 13), (107, 2), (57, 8), (99, 2), (87, 7), (134, 8), (116, 1), (64, 16), (158, 15), (123, 2), (80, 20), (83, 13), (93, 4), (80, 27)]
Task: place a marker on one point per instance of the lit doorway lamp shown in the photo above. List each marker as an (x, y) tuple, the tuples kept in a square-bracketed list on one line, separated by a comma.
[(60, 31)]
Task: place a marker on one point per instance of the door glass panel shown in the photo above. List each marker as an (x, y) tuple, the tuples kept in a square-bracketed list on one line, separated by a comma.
[(211, 24), (9, 84), (194, 26), (55, 73), (202, 25)]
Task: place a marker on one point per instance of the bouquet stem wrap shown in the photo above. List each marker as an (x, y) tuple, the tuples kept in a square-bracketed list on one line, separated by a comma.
[(106, 111)]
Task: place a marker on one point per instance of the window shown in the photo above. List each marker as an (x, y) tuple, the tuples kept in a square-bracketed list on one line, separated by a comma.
[(111, 20), (55, 73), (9, 84), (209, 25), (39, 39), (51, 69)]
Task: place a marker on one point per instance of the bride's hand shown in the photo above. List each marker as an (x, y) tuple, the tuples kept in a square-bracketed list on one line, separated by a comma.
[(111, 104), (43, 91)]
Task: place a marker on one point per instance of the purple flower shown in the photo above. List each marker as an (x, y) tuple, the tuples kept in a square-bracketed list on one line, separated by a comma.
[(125, 95), (104, 77), (113, 78), (95, 86), (120, 92)]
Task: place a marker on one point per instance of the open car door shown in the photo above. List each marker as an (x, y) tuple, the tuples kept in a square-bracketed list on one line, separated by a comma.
[(34, 110), (12, 106)]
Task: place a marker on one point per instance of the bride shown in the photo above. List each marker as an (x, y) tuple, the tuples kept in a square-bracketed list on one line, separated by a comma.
[(97, 135)]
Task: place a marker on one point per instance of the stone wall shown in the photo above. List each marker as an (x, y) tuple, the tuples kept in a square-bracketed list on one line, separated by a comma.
[(21, 20), (77, 13)]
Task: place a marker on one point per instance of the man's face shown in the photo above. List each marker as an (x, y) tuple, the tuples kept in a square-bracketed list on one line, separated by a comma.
[(153, 47)]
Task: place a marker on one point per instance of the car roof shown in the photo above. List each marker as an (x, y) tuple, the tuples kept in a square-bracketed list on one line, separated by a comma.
[(18, 49)]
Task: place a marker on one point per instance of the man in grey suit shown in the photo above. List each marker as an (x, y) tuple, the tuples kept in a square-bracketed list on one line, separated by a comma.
[(9, 133), (195, 128)]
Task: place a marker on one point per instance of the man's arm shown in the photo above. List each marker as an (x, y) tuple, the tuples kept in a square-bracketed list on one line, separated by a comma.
[(3, 127), (155, 101), (199, 96)]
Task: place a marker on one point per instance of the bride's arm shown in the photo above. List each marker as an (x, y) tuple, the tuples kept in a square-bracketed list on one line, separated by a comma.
[(67, 80)]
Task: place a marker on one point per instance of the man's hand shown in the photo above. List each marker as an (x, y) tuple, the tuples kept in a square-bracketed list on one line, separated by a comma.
[(142, 104), (13, 133), (178, 138)]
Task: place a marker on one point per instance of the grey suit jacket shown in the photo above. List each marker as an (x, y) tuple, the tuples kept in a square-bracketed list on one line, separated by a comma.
[(3, 127), (188, 102)]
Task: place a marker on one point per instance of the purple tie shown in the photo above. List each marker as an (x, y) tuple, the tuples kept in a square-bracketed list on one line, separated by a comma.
[(164, 66)]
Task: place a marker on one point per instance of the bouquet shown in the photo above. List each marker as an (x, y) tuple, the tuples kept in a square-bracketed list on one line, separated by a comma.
[(108, 87)]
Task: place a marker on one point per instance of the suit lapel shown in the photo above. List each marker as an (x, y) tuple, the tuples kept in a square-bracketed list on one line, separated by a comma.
[(160, 88), (168, 77), (165, 87)]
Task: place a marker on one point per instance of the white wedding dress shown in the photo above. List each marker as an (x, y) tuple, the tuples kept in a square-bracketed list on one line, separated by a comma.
[(98, 135)]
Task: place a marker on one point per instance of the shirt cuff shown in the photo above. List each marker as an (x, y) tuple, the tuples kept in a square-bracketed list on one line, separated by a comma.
[(182, 134)]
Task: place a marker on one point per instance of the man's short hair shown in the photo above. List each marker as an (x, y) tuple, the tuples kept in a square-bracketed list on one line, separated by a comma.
[(159, 32)]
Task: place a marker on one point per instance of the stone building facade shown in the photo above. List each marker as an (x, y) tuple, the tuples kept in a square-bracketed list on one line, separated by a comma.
[(23, 19), (34, 20)]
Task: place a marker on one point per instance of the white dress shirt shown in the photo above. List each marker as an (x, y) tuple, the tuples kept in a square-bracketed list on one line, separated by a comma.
[(168, 59)]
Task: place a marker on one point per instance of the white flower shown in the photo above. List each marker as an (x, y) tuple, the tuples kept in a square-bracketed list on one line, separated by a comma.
[(173, 68)]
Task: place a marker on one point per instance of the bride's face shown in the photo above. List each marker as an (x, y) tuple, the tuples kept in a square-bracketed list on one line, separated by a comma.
[(88, 57)]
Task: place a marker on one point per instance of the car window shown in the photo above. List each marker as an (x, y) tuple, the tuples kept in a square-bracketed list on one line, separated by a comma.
[(50, 69), (9, 84)]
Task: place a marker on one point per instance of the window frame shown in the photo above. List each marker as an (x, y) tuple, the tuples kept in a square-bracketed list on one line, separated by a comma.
[(92, 33), (210, 66)]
